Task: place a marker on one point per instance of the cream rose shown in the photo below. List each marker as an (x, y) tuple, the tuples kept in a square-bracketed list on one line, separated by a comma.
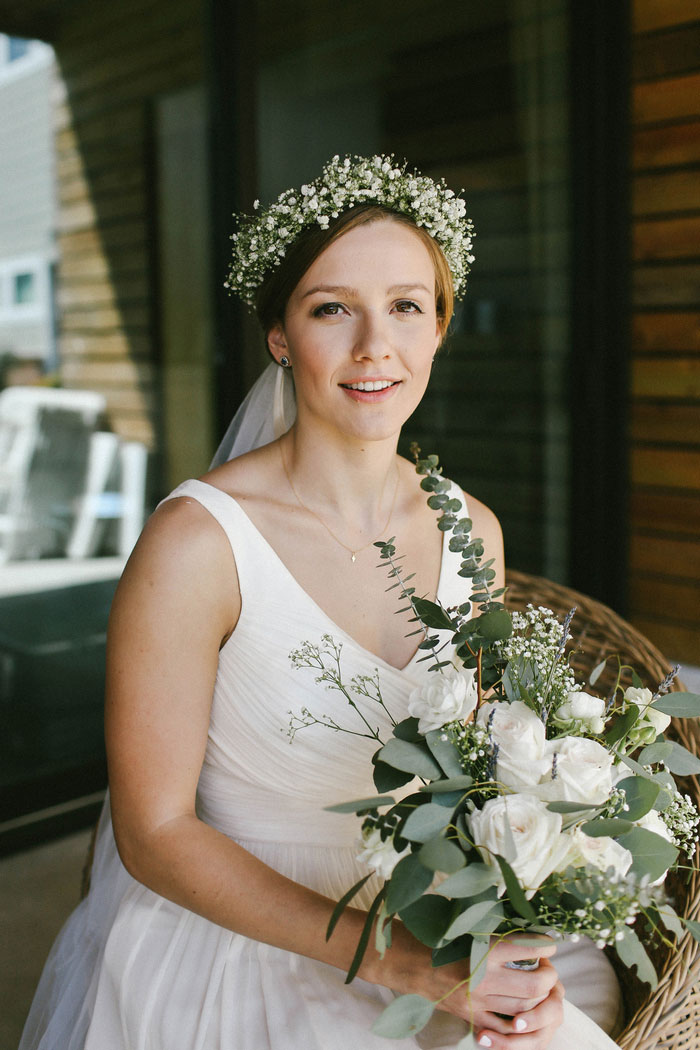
[(520, 737), (582, 772), (539, 845), (601, 852), (582, 708), (447, 696), (379, 855)]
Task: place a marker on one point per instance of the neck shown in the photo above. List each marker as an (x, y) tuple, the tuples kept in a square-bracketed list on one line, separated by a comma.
[(353, 485)]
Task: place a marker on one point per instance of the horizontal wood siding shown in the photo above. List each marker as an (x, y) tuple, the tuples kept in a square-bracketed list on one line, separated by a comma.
[(664, 435), (114, 60)]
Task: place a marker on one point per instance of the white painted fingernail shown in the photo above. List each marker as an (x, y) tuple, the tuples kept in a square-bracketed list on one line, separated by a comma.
[(485, 1041), (520, 1025)]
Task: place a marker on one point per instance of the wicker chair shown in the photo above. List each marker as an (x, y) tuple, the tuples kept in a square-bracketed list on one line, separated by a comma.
[(669, 1017)]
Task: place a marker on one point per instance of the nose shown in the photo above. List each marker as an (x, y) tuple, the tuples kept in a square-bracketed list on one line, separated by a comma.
[(371, 338)]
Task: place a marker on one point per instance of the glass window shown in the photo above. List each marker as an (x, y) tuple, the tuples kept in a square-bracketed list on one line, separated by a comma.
[(25, 288), (478, 94)]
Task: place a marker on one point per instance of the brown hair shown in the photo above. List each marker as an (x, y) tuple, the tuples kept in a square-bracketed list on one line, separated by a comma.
[(273, 294)]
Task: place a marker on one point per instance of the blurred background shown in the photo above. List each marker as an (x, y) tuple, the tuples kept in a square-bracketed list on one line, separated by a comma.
[(567, 398)]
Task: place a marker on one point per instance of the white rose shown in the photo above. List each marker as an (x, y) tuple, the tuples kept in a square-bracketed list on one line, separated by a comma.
[(651, 722), (520, 737), (378, 855), (535, 846), (602, 853), (447, 696), (583, 708), (583, 772)]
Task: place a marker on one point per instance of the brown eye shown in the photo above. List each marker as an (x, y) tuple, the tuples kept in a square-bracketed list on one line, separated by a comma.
[(328, 310), (407, 306)]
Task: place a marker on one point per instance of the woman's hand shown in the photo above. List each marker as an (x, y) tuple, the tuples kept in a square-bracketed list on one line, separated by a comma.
[(508, 1009), (514, 1009)]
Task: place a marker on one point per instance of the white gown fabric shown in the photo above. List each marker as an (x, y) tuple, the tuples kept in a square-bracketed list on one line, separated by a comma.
[(133, 971)]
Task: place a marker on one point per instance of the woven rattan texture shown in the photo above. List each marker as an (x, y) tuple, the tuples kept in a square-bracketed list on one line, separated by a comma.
[(669, 1017)]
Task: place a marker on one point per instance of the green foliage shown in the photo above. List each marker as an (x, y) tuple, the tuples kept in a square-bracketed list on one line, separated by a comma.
[(406, 1016), (653, 855), (679, 705), (408, 882)]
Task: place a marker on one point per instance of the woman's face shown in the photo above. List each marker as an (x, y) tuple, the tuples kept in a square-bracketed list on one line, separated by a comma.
[(361, 330)]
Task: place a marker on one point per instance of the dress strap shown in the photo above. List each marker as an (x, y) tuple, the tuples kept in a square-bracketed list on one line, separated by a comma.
[(247, 544)]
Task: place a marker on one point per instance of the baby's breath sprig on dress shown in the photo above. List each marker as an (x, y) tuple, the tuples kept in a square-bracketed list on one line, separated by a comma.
[(262, 240), (325, 659)]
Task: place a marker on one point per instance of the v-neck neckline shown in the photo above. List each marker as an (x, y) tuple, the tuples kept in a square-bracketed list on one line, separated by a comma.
[(335, 627)]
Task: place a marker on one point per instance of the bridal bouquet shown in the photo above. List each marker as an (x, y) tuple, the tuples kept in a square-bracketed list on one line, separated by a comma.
[(533, 804)]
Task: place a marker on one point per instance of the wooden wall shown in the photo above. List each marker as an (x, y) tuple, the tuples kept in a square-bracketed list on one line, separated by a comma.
[(664, 551), (114, 61)]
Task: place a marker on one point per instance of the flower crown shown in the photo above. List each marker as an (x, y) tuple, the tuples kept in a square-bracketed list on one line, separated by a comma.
[(261, 241)]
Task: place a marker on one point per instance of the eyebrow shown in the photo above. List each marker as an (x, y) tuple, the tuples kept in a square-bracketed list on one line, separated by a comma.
[(344, 290)]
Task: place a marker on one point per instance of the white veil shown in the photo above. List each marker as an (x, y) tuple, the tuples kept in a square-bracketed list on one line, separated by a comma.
[(63, 1003), (267, 412)]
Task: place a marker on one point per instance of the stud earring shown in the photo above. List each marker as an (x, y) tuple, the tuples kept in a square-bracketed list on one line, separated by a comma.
[(284, 361)]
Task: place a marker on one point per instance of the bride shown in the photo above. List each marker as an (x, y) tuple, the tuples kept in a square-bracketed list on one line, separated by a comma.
[(209, 933)]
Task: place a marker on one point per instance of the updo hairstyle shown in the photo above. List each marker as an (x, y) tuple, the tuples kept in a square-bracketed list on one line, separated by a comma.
[(274, 293)]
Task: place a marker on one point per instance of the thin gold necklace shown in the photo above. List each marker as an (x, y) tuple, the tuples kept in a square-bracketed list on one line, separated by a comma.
[(357, 550)]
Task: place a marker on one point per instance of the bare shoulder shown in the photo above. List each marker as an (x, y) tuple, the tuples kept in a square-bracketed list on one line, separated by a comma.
[(484, 521), (182, 567)]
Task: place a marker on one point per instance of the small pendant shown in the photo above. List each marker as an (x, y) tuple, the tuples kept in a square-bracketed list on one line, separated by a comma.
[(352, 556)]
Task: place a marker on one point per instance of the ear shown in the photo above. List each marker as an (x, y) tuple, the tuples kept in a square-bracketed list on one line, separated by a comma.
[(276, 341)]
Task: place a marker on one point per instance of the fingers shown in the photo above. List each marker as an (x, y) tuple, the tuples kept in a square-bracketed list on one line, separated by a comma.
[(528, 1030), (511, 992)]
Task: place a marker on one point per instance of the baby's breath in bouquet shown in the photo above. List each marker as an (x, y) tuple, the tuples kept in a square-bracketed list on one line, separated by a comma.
[(523, 801)]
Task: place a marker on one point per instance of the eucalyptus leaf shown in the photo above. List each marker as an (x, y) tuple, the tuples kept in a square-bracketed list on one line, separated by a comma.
[(516, 893), (343, 903), (481, 946), (440, 854), (361, 804), (495, 626), (602, 827), (679, 705), (406, 1016), (657, 752), (364, 936), (632, 954), (597, 671), (407, 729), (408, 882), (425, 822), (670, 920), (409, 758), (653, 855), (458, 783), (693, 928), (432, 614), (444, 751), (386, 778), (622, 725), (468, 882), (681, 761), (427, 919), (641, 794), (569, 807), (480, 918)]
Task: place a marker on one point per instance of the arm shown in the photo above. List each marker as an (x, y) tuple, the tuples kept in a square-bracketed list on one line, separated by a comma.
[(178, 601)]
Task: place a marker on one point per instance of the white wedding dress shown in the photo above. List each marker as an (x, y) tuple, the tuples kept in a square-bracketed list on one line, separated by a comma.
[(133, 971)]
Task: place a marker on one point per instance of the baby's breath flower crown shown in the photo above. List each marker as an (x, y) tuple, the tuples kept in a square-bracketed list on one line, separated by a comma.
[(261, 241)]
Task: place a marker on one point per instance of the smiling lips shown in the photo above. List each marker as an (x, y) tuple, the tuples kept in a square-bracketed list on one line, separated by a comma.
[(370, 389)]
